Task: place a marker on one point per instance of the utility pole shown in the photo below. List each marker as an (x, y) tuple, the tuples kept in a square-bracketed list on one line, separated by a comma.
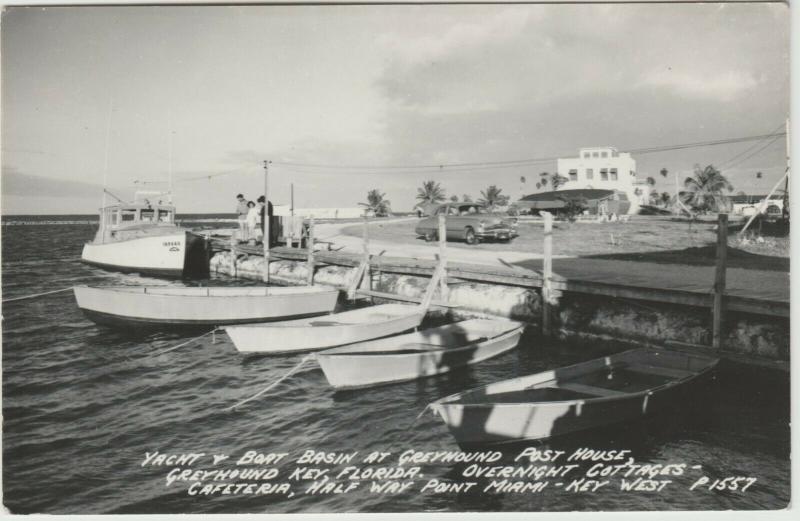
[(266, 237), (785, 211)]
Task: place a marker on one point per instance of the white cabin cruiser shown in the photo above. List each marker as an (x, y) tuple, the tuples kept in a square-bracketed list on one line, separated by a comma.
[(142, 237)]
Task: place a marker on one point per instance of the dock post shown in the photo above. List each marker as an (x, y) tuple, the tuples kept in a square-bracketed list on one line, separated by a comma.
[(719, 280), (233, 253), (267, 235), (367, 278), (310, 245), (547, 273), (443, 290)]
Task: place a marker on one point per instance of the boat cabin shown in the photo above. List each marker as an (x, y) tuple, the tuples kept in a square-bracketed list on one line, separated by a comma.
[(126, 221)]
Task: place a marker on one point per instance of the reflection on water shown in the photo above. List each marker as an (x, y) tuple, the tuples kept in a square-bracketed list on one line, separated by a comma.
[(82, 404)]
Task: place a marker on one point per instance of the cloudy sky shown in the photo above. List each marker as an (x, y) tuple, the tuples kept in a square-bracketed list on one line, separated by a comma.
[(377, 86)]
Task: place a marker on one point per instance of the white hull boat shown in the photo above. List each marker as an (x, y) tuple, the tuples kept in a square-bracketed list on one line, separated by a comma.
[(338, 329), (201, 306), (618, 388), (143, 238), (416, 355)]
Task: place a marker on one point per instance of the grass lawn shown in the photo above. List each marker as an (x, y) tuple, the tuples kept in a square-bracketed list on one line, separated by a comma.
[(644, 238)]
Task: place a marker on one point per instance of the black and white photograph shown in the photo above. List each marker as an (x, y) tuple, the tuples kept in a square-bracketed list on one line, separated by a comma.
[(336, 258)]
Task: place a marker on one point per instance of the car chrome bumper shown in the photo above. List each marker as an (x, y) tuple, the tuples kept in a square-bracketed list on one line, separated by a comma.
[(500, 233)]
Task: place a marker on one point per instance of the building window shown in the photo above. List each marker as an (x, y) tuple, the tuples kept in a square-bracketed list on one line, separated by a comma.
[(614, 153), (604, 174), (604, 154), (587, 155), (589, 173), (595, 154), (573, 175), (613, 174), (633, 173)]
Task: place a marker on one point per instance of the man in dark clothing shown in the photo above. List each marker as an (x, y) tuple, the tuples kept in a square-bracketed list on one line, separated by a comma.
[(272, 237)]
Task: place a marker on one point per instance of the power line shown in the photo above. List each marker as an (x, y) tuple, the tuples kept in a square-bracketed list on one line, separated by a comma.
[(748, 149), (423, 168)]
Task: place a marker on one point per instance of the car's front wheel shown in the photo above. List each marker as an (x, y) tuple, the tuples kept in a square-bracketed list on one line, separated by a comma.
[(430, 236), (470, 237)]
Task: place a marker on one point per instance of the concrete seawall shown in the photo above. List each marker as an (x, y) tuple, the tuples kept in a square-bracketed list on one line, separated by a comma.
[(577, 316)]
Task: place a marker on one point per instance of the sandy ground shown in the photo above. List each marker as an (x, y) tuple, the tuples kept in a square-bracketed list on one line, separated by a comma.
[(334, 232)]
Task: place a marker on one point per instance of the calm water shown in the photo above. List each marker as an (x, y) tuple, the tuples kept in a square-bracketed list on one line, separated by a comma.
[(82, 404)]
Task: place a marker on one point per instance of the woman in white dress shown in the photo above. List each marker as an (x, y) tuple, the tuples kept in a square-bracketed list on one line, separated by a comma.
[(253, 227)]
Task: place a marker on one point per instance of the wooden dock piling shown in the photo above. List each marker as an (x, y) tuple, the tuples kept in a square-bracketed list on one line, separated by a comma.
[(443, 290), (719, 281), (311, 262)]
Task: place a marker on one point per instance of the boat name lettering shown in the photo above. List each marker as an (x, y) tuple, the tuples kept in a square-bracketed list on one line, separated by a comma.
[(171, 243), (414, 456)]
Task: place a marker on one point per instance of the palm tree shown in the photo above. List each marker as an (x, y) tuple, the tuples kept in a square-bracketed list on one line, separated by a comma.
[(377, 203), (705, 189), (557, 180), (665, 198), (651, 181), (543, 181), (454, 198), (664, 172), (430, 193), (466, 198), (492, 197)]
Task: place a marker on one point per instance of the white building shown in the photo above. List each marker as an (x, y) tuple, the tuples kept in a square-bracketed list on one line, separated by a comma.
[(604, 168)]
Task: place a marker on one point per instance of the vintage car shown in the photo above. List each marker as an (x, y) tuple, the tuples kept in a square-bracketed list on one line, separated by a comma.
[(470, 222)]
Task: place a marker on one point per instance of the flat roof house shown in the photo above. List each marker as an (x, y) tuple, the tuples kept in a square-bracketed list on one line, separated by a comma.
[(604, 168)]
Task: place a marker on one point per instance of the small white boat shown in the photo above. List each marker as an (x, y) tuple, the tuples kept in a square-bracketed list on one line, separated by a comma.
[(142, 237), (613, 389), (415, 355), (324, 332), (195, 306)]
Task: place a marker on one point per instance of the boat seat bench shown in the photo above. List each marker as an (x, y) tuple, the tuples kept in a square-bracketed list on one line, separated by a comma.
[(659, 371), (589, 389)]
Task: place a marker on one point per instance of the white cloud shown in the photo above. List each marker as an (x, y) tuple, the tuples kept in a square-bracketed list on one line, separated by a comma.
[(721, 87)]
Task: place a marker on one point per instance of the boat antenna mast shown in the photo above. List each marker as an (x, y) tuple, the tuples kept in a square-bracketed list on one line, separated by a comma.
[(170, 156)]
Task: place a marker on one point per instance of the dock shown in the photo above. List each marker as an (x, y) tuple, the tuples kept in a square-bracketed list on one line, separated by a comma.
[(767, 294)]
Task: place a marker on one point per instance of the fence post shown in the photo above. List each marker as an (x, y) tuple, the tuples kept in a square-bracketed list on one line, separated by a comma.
[(310, 246), (445, 294), (719, 280), (547, 274)]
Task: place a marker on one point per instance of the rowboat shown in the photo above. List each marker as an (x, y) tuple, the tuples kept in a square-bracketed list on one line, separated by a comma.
[(142, 237), (613, 389), (416, 355), (320, 333), (196, 306)]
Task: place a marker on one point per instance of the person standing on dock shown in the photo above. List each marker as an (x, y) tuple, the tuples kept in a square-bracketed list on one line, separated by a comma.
[(241, 214), (272, 237)]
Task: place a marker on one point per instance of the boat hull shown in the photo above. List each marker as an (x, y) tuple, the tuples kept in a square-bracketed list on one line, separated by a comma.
[(180, 254), (347, 370), (488, 422), (163, 307), (304, 335)]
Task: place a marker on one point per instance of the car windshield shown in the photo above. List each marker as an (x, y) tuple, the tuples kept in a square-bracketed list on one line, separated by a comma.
[(472, 210)]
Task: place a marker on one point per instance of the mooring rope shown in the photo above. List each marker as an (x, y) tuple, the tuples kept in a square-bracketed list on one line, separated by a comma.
[(276, 382), (173, 348), (37, 295)]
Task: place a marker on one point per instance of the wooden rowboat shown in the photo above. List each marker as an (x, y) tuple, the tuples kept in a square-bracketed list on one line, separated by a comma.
[(324, 332), (617, 388), (415, 355), (196, 306)]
